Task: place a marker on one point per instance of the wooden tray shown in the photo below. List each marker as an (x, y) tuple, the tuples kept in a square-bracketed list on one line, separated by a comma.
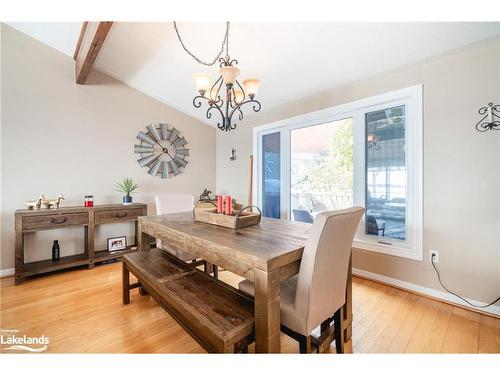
[(239, 219)]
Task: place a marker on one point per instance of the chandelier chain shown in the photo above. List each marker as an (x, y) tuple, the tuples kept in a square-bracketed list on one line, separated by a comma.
[(224, 42)]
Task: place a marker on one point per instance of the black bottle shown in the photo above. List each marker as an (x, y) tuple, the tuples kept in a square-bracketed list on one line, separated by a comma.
[(55, 251)]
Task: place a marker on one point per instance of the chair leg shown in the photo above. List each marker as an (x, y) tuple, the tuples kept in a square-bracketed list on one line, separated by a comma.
[(325, 325), (216, 271), (339, 331), (305, 345)]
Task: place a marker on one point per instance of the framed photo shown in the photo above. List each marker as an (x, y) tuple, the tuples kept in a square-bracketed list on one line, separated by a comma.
[(117, 243)]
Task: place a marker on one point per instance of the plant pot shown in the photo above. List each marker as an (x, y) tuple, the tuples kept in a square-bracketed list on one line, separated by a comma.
[(127, 199)]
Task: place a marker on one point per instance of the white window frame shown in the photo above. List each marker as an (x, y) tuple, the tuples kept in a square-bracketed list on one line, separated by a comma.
[(411, 97)]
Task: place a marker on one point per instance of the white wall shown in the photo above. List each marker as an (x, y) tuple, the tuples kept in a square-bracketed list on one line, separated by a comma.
[(461, 166), (60, 137)]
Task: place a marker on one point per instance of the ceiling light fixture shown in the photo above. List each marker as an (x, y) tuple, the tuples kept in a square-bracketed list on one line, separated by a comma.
[(226, 95)]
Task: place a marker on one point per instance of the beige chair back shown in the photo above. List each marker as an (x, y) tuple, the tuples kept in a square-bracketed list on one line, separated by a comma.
[(171, 204), (323, 270)]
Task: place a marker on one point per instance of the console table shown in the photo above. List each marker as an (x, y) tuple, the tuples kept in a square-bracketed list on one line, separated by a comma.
[(29, 221)]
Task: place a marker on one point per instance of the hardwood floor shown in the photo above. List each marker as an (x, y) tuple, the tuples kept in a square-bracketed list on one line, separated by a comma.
[(81, 312)]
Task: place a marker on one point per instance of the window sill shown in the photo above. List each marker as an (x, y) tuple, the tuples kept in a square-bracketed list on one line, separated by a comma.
[(394, 249)]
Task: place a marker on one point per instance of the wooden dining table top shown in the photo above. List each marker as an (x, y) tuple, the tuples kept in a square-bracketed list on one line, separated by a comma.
[(268, 245)]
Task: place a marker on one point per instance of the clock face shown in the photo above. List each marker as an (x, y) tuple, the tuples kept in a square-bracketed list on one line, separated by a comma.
[(162, 150)]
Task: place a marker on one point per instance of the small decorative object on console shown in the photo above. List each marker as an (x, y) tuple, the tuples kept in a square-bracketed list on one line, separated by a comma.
[(31, 205), (117, 243), (89, 201), (127, 186), (53, 203), (56, 251)]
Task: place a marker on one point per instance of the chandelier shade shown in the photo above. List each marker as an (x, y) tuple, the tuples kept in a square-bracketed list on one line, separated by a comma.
[(251, 86), (229, 74), (202, 81)]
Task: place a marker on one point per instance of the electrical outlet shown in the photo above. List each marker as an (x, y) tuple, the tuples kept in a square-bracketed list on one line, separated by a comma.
[(436, 256)]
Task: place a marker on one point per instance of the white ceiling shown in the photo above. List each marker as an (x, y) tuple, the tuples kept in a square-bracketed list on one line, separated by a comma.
[(291, 59)]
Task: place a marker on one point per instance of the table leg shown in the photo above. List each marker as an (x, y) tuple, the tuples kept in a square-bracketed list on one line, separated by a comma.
[(267, 311), (19, 250), (125, 284), (347, 311), (143, 239)]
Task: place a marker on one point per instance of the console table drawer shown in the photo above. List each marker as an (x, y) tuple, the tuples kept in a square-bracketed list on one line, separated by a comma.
[(117, 215), (55, 220)]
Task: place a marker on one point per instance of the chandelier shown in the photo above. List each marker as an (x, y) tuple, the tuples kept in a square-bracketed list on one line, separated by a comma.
[(226, 96)]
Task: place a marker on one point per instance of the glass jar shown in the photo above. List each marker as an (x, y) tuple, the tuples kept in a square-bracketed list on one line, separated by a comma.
[(89, 201)]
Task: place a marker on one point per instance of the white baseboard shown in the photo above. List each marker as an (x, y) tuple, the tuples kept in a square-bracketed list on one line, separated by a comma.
[(438, 294), (7, 272)]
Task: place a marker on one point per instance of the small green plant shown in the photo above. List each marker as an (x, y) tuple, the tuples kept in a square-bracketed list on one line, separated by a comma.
[(127, 186)]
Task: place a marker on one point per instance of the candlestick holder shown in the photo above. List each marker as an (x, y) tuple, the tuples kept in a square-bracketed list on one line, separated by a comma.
[(490, 121)]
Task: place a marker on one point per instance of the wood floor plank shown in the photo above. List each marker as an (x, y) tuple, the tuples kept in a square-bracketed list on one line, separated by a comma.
[(470, 335), (403, 336), (489, 332), (454, 334), (81, 312), (425, 328)]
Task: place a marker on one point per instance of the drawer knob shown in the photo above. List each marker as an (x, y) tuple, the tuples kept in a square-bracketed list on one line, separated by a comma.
[(58, 221), (120, 214)]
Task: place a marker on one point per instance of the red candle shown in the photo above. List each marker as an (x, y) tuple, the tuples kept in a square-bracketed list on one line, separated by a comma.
[(229, 204), (219, 204)]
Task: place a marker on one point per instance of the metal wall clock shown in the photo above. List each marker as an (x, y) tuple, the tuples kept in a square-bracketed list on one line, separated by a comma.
[(163, 150)]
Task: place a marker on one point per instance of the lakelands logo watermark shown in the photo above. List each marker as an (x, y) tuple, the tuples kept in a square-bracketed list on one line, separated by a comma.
[(11, 340)]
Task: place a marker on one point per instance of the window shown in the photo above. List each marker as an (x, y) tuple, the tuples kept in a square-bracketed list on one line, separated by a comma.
[(364, 153)]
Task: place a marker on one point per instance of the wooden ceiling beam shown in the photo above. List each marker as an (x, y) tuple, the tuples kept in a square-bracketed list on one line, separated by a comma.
[(92, 37)]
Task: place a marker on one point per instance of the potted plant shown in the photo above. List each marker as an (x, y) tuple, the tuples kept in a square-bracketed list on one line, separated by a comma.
[(127, 186)]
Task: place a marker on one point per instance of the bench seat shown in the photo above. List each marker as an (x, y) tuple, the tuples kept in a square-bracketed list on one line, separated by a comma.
[(219, 317)]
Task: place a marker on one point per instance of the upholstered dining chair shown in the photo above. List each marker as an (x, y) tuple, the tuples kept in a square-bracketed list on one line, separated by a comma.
[(171, 204), (315, 296)]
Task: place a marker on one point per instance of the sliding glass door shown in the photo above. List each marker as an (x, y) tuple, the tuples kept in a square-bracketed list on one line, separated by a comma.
[(321, 169), (271, 175)]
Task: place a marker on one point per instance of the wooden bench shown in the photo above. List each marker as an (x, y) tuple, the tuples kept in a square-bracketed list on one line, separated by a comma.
[(216, 315)]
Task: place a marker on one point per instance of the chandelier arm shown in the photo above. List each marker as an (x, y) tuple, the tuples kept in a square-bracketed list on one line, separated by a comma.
[(225, 42), (256, 107), (244, 93), (233, 102), (220, 125), (217, 96), (197, 100), (256, 104)]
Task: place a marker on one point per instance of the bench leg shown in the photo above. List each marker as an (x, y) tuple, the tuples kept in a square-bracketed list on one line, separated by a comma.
[(125, 284), (216, 271)]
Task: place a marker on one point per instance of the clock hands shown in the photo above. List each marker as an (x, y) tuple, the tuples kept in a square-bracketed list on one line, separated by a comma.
[(164, 149), (154, 139)]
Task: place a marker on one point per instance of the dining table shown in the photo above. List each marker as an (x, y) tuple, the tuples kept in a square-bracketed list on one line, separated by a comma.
[(266, 254)]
